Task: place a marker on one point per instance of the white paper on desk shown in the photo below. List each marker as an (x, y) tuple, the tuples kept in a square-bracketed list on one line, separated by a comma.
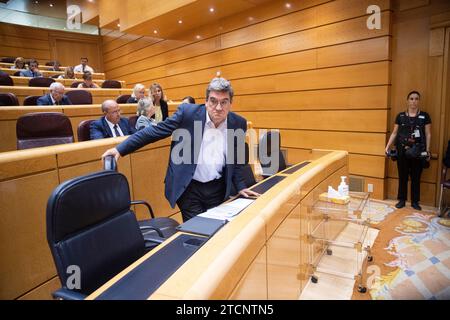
[(227, 211)]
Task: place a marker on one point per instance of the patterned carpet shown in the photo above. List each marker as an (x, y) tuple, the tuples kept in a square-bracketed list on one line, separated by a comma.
[(411, 256)]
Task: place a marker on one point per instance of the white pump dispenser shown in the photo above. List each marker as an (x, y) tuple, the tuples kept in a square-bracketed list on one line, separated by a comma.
[(343, 187)]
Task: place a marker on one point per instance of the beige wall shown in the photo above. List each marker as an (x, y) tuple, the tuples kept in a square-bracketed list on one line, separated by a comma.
[(45, 45), (316, 72)]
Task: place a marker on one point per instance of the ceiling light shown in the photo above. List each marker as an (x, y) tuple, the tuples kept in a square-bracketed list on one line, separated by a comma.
[(36, 2), (198, 36), (251, 18), (180, 21), (51, 4), (211, 9), (155, 31), (118, 25), (288, 5)]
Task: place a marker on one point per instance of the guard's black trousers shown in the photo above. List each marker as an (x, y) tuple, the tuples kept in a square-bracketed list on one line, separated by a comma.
[(413, 168)]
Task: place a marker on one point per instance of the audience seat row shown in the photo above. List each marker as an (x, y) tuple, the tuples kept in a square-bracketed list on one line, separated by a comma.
[(6, 80), (39, 129)]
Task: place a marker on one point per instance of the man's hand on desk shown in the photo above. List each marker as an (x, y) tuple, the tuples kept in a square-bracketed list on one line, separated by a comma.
[(247, 193)]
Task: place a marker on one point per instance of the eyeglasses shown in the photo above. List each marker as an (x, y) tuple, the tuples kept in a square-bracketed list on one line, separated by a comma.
[(214, 102)]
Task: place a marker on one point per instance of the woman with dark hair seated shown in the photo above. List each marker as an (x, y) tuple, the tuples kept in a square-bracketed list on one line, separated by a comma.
[(412, 136)]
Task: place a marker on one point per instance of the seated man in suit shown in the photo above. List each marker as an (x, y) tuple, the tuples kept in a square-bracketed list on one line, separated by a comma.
[(208, 158), (55, 97), (111, 125), (33, 71)]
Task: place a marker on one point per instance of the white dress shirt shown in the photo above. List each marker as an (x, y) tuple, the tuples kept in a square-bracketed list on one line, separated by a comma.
[(79, 68), (212, 155), (111, 126)]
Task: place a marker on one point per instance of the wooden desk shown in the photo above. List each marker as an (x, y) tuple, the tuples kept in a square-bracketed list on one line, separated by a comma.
[(28, 177), (262, 253), (23, 81), (98, 95), (47, 73), (76, 114)]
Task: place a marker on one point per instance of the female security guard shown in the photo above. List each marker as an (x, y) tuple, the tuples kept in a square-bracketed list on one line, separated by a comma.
[(412, 135)]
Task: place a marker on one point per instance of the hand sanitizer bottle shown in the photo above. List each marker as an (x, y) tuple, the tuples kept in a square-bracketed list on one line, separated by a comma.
[(343, 187)]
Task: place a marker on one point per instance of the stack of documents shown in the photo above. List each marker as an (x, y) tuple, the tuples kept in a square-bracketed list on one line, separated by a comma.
[(227, 211)]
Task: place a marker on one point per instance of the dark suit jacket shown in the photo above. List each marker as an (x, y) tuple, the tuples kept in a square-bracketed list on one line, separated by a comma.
[(47, 100), (100, 128), (178, 176)]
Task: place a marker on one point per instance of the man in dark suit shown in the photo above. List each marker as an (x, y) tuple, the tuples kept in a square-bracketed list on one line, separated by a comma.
[(111, 125), (207, 151), (55, 97)]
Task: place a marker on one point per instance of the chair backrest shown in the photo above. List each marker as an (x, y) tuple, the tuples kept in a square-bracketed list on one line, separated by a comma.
[(265, 144), (247, 173), (8, 99), (75, 84), (31, 100), (50, 63), (41, 129), (84, 130), (79, 96), (111, 84), (132, 121), (90, 225), (17, 74), (123, 98), (6, 80), (40, 82)]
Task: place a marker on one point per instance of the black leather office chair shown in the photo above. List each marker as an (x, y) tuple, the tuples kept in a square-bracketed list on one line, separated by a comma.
[(265, 153), (153, 229), (92, 233)]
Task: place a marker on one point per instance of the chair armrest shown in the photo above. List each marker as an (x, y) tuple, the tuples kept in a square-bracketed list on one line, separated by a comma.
[(145, 204), (158, 231), (66, 294)]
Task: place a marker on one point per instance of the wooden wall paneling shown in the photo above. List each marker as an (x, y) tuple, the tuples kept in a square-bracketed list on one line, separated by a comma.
[(367, 165), (69, 52), (119, 42), (355, 142), (23, 225), (18, 42), (253, 284), (14, 30), (328, 78), (375, 97), (335, 120), (44, 291)]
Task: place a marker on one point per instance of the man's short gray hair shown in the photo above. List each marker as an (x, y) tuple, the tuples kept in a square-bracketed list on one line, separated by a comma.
[(143, 104), (220, 84), (56, 85)]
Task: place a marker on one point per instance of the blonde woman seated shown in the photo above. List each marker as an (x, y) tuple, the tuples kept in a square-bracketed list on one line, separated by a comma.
[(138, 94), (145, 111), (19, 64), (68, 74)]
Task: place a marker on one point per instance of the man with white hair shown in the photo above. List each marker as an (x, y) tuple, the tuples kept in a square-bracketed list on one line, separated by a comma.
[(55, 97)]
